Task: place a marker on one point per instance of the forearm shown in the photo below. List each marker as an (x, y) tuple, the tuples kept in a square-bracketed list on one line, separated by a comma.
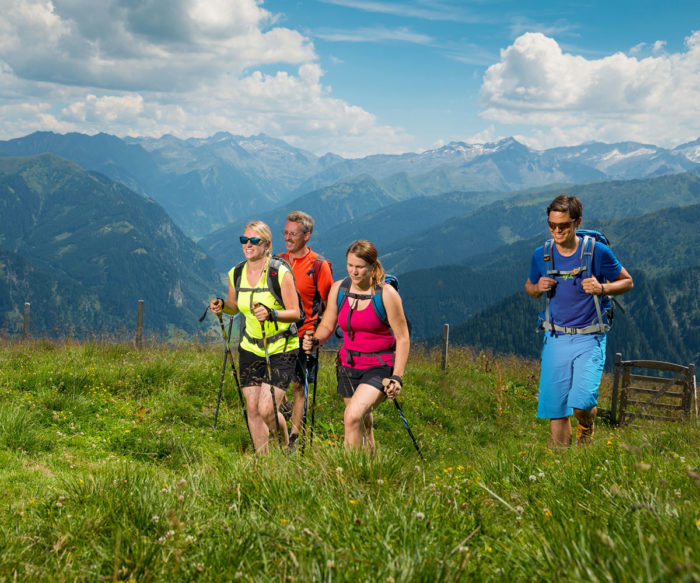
[(532, 289), (403, 346)]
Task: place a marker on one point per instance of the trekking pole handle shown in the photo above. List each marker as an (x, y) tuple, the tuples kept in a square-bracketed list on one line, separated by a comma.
[(315, 342)]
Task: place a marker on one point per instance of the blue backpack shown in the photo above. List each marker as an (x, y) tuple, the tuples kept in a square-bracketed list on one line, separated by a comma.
[(376, 297), (603, 305)]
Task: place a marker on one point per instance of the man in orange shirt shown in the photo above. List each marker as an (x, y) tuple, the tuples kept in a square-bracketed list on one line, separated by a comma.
[(313, 277)]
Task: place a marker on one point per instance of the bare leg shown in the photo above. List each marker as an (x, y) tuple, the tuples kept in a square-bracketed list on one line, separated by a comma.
[(258, 429), (268, 413), (560, 432), (297, 407), (358, 419)]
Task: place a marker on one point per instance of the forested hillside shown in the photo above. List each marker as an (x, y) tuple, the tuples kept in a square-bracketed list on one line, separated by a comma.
[(74, 237), (661, 321)]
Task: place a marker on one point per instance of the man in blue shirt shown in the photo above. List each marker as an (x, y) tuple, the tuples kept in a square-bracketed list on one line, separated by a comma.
[(573, 353)]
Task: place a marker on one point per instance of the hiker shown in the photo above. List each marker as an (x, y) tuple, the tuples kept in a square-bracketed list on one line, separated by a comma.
[(373, 350), (313, 278), (573, 353), (268, 347)]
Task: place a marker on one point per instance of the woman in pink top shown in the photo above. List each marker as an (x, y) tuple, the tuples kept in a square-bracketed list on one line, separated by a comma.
[(374, 354)]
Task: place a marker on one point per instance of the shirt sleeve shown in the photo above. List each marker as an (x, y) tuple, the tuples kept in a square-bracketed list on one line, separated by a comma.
[(537, 266), (606, 267)]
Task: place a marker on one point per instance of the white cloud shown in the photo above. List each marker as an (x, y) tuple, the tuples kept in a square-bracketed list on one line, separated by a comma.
[(618, 97), (375, 35), (185, 67)]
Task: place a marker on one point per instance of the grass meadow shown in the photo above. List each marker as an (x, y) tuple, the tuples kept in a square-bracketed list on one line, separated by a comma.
[(110, 470)]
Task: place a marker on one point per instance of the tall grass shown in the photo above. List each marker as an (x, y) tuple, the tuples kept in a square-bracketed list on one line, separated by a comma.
[(110, 471)]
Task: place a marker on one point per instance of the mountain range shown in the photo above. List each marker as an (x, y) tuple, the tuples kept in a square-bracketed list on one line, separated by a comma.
[(457, 223), (206, 184)]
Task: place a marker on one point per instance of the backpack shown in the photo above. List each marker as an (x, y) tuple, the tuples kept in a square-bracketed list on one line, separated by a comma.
[(275, 289), (318, 305), (376, 297), (603, 305)]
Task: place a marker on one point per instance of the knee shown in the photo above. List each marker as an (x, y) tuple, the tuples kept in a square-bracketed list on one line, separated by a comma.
[(353, 415)]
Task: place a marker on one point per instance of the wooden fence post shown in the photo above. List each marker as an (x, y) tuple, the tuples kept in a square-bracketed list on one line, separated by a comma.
[(445, 343), (25, 325), (615, 388), (139, 325)]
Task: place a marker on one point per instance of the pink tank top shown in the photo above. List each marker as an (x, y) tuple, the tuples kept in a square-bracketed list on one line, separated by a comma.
[(367, 335)]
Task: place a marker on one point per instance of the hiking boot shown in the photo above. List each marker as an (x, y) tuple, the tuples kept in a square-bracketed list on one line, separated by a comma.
[(584, 435), (292, 442), (286, 410)]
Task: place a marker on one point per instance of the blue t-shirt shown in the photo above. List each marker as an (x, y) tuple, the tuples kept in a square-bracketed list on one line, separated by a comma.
[(569, 305)]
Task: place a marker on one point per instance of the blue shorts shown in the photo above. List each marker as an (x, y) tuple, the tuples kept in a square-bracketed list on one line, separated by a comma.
[(572, 366)]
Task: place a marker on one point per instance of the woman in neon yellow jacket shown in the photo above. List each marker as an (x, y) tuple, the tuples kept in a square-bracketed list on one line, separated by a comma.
[(269, 343)]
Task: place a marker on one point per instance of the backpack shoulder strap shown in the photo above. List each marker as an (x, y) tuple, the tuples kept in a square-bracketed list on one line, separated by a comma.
[(343, 292), (273, 276), (237, 274), (378, 304), (548, 256)]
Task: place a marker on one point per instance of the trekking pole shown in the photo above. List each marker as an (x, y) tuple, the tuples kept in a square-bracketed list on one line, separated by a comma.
[(269, 380), (410, 433), (223, 373), (307, 363), (386, 383), (313, 404), (233, 370)]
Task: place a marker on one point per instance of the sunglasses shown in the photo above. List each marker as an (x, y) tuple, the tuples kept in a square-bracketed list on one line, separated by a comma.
[(560, 226), (253, 240)]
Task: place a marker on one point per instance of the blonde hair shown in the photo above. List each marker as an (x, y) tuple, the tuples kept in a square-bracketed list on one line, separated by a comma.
[(368, 253), (264, 232)]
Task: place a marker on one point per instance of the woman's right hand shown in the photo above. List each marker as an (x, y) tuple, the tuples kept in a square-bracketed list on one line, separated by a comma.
[(216, 305)]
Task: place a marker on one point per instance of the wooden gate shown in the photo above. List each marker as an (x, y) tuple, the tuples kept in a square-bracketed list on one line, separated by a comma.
[(642, 396)]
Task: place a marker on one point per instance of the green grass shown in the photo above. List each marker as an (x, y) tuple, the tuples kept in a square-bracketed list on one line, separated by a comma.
[(110, 471)]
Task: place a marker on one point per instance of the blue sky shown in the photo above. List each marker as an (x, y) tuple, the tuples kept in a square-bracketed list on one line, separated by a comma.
[(354, 77)]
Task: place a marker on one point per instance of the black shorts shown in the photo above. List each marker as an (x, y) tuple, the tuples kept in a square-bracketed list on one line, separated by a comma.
[(304, 361), (253, 368), (350, 378)]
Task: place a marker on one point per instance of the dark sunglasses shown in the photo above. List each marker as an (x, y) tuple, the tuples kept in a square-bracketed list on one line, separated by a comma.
[(560, 226), (253, 240)]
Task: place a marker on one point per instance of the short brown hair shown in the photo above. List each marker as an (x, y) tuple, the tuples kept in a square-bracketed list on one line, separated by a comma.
[(307, 223), (565, 203)]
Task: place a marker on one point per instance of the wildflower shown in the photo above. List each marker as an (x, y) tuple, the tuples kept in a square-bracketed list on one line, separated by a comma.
[(520, 510), (182, 483), (164, 490), (380, 481), (678, 493), (180, 498), (432, 486), (540, 475), (339, 470), (547, 512), (697, 523), (419, 515), (59, 504), (353, 501), (532, 478), (155, 518), (417, 468)]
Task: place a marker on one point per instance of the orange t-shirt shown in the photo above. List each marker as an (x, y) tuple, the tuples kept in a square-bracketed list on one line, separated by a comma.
[(304, 279)]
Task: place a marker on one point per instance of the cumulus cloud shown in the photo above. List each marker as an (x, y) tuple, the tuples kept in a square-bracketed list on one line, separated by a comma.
[(617, 97), (186, 67)]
